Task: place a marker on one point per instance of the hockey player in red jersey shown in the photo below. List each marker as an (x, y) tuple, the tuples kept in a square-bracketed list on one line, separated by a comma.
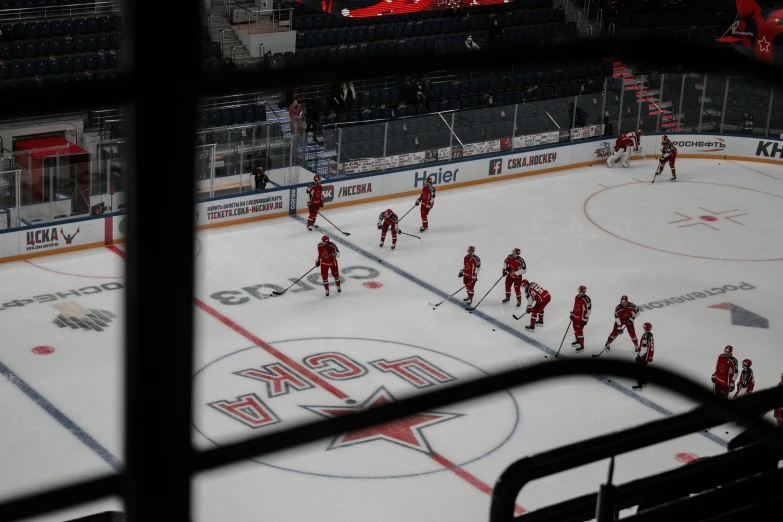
[(513, 268), (579, 317), (623, 146), (645, 355), (469, 273), (624, 315), (388, 220), (427, 201), (316, 201), (746, 382), (779, 410), (537, 299), (327, 260), (668, 155), (725, 370)]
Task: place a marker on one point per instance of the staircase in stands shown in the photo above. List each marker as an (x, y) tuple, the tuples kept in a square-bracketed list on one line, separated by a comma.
[(653, 96), (219, 22)]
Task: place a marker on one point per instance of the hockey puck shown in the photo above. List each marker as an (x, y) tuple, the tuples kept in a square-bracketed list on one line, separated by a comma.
[(433, 308), (350, 401), (493, 329)]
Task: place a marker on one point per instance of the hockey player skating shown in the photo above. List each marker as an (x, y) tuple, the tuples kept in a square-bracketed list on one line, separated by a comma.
[(471, 265), (645, 355), (624, 315), (537, 299), (514, 268), (388, 220), (668, 155), (328, 253), (579, 317), (316, 202), (427, 201), (746, 382), (623, 146), (725, 370)]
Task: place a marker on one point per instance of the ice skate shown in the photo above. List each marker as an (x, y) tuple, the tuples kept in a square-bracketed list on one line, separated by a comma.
[(674, 178), (519, 303), (506, 300), (638, 386), (327, 293), (530, 327), (393, 245), (579, 348), (606, 347), (339, 289), (422, 229), (576, 343)]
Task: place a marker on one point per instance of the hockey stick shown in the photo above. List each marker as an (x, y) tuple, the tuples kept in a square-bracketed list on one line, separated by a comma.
[(292, 284), (406, 234), (564, 336), (449, 297), (602, 351), (335, 226), (520, 317), (408, 212), (485, 295)]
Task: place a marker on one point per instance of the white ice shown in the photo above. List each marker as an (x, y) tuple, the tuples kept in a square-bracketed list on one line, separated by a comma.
[(610, 230)]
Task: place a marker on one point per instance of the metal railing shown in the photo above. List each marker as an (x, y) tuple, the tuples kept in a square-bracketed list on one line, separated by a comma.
[(31, 14), (270, 20)]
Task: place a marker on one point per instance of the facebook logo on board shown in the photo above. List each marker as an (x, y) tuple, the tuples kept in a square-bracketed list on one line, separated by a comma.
[(495, 167)]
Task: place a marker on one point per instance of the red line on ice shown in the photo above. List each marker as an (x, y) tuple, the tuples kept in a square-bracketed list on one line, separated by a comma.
[(467, 477), (446, 463)]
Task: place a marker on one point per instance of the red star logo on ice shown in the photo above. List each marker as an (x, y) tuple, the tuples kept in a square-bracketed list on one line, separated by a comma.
[(764, 45), (406, 432)]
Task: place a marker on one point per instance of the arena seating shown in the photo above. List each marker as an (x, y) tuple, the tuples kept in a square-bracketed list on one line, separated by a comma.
[(661, 15), (31, 4), (60, 51)]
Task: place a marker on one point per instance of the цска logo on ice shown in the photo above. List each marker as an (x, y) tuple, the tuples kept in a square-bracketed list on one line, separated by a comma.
[(256, 390)]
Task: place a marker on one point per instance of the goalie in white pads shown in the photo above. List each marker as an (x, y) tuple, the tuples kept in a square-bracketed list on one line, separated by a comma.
[(624, 145)]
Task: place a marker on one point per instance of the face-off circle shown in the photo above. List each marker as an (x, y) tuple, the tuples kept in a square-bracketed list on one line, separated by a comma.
[(241, 395), (703, 220)]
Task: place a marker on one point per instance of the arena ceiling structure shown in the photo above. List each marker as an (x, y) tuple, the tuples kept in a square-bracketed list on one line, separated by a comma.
[(160, 458)]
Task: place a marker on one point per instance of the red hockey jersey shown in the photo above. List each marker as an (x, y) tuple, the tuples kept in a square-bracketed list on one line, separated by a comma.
[(647, 347), (724, 370), (427, 197), (388, 221), (314, 191), (471, 266), (514, 265), (582, 308), (630, 139), (625, 314), (328, 253), (668, 149), (746, 380), (535, 293)]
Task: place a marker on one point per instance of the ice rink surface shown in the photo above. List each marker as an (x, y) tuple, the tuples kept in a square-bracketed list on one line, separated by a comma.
[(701, 253)]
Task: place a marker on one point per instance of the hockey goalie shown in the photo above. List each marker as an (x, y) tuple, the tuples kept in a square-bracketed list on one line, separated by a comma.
[(625, 144)]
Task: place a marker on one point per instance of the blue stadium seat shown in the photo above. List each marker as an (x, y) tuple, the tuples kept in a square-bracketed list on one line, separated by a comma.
[(6, 51), (79, 44), (77, 78), (67, 45), (114, 41), (116, 23), (4, 73), (67, 26), (103, 41), (32, 29), (41, 67), (30, 49), (20, 31), (42, 49), (214, 118), (91, 43), (102, 60), (112, 76), (77, 63), (28, 68), (66, 65), (114, 61), (15, 68), (319, 39), (55, 46), (79, 26), (55, 28), (104, 24), (92, 25), (225, 117), (53, 65)]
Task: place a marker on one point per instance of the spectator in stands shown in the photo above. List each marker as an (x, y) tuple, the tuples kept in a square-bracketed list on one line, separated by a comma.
[(344, 96), (296, 113), (495, 33), (746, 124), (607, 126), (470, 45), (230, 65), (260, 178)]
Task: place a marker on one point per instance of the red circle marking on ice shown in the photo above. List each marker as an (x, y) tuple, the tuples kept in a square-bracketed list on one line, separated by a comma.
[(686, 457), (42, 350), (372, 284), (709, 218)]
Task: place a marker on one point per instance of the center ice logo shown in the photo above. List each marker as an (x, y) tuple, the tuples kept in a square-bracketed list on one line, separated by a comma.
[(302, 380)]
